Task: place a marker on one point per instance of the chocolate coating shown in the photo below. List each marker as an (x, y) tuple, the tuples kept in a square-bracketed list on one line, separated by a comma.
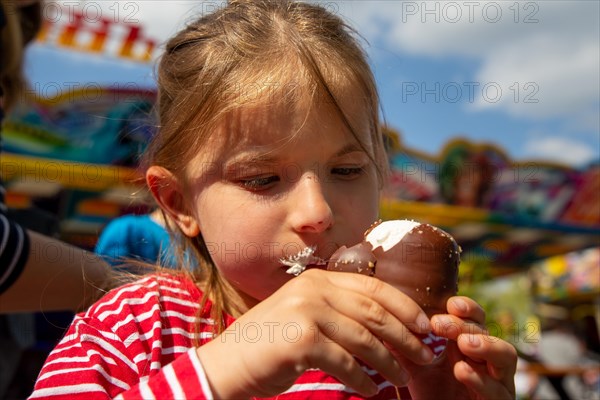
[(358, 258), (423, 264)]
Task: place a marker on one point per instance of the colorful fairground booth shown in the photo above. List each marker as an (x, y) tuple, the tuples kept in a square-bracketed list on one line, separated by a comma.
[(529, 230), (530, 234)]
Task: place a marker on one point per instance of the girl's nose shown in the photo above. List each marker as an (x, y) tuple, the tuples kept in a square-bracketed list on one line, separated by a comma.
[(310, 210)]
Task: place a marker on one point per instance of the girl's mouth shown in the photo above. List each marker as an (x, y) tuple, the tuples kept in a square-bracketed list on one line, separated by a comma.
[(297, 263)]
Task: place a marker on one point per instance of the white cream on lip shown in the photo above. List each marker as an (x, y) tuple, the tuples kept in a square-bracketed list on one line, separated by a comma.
[(387, 234), (297, 263)]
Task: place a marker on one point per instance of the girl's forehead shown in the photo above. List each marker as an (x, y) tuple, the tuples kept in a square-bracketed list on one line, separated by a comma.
[(282, 115), (280, 122), (278, 127)]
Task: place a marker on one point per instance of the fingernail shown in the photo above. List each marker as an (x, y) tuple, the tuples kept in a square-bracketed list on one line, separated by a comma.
[(423, 323), (443, 320), (427, 355), (372, 389), (467, 367), (402, 378), (446, 326), (460, 305), (474, 341)]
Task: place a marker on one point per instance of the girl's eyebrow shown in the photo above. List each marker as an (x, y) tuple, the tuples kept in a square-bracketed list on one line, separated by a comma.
[(248, 159), (269, 158), (349, 148)]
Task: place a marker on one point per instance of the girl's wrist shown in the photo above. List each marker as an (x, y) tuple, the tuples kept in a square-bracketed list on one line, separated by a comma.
[(223, 378)]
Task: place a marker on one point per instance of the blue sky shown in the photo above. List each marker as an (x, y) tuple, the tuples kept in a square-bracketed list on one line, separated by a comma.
[(524, 75)]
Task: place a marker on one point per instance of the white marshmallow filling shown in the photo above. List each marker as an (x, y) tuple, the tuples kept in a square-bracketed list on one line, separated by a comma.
[(387, 234)]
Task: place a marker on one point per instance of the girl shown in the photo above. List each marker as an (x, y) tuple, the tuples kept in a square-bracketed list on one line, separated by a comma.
[(269, 145)]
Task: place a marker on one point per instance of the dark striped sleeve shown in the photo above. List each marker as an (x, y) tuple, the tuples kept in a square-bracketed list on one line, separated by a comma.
[(14, 250), (14, 246), (14, 241)]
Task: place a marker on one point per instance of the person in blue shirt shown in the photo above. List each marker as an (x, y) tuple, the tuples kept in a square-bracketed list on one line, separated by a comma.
[(143, 238)]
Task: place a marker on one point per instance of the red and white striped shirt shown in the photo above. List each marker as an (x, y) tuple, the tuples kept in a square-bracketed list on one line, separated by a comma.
[(137, 342)]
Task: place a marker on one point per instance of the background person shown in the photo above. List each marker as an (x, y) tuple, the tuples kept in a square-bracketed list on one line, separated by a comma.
[(142, 238), (28, 280)]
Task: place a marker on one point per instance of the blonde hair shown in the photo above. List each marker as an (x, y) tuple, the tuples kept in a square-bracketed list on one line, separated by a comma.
[(22, 24), (252, 42)]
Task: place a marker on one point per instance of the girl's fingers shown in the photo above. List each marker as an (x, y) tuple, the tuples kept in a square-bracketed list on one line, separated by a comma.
[(334, 360), (371, 324), (490, 363), (356, 317), (395, 302), (358, 341), (496, 357), (466, 308), (450, 326), (500, 356), (476, 379)]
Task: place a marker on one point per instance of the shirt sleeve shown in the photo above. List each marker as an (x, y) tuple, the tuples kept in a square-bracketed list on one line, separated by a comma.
[(14, 241), (14, 250), (92, 362)]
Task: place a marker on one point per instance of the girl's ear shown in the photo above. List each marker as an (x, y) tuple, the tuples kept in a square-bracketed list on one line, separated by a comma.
[(168, 193)]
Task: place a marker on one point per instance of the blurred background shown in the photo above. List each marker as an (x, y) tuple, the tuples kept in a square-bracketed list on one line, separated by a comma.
[(492, 115)]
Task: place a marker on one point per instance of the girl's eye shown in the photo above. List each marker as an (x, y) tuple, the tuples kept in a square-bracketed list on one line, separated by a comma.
[(347, 172), (259, 183)]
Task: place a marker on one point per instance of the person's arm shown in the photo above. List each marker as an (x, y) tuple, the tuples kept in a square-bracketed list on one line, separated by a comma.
[(57, 276)]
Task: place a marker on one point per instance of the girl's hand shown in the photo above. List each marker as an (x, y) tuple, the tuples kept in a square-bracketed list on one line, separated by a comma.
[(318, 320), (475, 366)]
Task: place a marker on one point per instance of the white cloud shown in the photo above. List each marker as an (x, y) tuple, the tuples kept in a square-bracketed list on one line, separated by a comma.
[(558, 149), (544, 56), (544, 76)]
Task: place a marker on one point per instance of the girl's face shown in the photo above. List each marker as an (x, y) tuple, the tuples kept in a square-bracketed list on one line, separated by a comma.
[(286, 181)]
